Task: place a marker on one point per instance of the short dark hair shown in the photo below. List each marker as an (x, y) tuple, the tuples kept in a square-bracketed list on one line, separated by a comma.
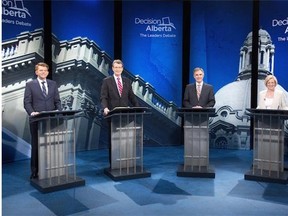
[(117, 61), (197, 69)]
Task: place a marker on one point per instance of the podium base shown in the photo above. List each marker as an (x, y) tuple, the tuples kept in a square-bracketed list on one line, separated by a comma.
[(273, 178), (115, 174), (56, 183), (202, 172)]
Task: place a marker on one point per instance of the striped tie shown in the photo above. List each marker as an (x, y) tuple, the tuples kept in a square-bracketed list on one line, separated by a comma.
[(120, 87), (198, 91), (44, 91)]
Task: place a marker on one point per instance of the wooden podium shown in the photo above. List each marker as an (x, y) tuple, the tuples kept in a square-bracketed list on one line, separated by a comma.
[(126, 125), (196, 143), (56, 151), (268, 146)]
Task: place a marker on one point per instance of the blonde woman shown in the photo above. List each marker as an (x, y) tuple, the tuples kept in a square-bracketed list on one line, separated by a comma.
[(271, 98)]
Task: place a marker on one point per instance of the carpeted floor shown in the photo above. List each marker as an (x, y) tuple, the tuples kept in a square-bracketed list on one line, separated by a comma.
[(161, 194)]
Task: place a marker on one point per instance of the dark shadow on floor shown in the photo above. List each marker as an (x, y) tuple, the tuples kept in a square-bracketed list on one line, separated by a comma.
[(72, 201)]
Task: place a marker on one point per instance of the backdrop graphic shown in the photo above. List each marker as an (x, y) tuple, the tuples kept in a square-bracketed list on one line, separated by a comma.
[(82, 49), (85, 18), (152, 48), (274, 19), (152, 44), (221, 35), (19, 16), (218, 29)]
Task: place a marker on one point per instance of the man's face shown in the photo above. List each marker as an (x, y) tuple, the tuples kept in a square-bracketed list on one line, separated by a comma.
[(117, 69), (42, 72), (198, 76)]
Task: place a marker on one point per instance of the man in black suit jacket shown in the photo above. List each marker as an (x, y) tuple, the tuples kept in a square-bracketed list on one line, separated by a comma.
[(116, 95), (41, 94), (111, 94), (199, 94)]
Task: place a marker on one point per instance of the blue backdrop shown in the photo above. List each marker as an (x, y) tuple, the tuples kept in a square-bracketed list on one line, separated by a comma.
[(218, 30), (274, 19), (20, 16), (152, 45), (85, 18)]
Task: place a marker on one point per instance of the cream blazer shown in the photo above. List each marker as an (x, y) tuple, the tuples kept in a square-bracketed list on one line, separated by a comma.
[(279, 100)]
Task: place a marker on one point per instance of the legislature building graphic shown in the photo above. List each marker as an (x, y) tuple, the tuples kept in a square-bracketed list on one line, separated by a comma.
[(79, 66), (230, 128)]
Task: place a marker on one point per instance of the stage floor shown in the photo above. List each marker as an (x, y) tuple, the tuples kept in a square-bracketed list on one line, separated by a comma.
[(164, 193)]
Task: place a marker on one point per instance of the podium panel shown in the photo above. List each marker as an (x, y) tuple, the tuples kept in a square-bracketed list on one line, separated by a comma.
[(196, 143), (196, 152), (127, 143), (56, 151), (268, 146)]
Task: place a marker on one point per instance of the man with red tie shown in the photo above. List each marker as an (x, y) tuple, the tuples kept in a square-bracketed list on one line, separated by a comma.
[(116, 90)]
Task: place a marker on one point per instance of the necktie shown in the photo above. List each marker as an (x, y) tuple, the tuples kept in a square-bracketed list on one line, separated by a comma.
[(198, 91), (120, 87), (44, 91)]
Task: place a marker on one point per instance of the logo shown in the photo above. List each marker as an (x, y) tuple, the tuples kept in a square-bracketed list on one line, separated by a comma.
[(15, 8), (156, 28), (283, 25), (166, 22), (156, 25), (14, 12)]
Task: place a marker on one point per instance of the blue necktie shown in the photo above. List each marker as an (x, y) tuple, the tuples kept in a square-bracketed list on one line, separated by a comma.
[(44, 91)]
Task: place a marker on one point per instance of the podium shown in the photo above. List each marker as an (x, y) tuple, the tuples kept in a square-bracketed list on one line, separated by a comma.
[(268, 146), (196, 143), (126, 125), (56, 151)]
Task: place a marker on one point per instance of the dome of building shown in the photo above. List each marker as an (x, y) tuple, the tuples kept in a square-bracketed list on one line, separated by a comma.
[(264, 37), (231, 126)]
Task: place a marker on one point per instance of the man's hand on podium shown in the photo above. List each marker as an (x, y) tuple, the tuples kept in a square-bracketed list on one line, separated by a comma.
[(106, 111), (34, 113)]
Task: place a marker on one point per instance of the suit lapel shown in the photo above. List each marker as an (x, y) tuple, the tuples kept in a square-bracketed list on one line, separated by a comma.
[(37, 87), (203, 90), (114, 84), (49, 87)]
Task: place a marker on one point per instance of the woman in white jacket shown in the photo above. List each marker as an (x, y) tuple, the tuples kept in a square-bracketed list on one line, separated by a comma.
[(271, 98)]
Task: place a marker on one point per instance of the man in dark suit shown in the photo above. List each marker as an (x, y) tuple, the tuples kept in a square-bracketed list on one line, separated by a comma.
[(199, 94), (116, 91), (41, 94)]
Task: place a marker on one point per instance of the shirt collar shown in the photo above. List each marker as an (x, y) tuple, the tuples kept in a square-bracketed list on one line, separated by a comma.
[(115, 77), (40, 81)]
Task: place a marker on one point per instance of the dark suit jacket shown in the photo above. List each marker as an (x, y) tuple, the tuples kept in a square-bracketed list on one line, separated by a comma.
[(207, 98), (110, 96), (34, 100)]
